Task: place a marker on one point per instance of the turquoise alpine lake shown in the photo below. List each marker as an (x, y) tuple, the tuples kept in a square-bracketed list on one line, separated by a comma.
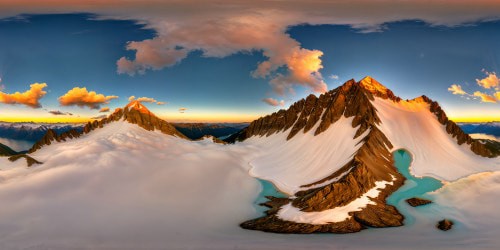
[(413, 186)]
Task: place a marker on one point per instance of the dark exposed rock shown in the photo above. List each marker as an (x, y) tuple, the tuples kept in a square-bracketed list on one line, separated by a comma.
[(415, 201), (29, 160), (444, 225)]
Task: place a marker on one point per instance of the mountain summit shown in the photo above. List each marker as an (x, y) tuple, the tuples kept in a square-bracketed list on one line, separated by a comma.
[(351, 133), (134, 112)]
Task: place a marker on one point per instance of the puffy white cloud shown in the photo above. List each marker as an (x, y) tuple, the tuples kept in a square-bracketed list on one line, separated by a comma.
[(30, 98), (274, 102), (81, 97), (456, 90)]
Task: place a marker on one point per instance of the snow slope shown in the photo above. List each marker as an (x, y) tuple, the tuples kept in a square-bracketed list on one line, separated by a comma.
[(410, 125), (123, 186), (305, 158)]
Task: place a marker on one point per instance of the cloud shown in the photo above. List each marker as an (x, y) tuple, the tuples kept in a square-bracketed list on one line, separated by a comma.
[(485, 97), (220, 28), (81, 97), (497, 95), (490, 81), (456, 90), (182, 110), (146, 99), (99, 117), (104, 109), (30, 98), (57, 112), (274, 102), (334, 77)]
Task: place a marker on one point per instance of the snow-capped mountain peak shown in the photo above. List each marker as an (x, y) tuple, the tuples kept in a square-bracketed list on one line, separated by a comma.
[(137, 105)]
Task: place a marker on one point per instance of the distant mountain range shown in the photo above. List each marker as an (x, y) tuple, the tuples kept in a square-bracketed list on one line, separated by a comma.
[(30, 131), (489, 128), (219, 130)]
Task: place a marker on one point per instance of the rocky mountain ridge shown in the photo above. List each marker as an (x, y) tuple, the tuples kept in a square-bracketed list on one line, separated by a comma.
[(373, 161), (134, 112)]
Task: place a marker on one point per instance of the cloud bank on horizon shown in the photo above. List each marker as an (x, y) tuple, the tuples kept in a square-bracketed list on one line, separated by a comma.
[(223, 28)]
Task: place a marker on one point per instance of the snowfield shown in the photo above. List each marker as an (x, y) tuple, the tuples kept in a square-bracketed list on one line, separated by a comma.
[(411, 126), (296, 162), (122, 187)]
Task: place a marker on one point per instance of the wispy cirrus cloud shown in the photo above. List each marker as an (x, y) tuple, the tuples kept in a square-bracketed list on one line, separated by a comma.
[(220, 28), (30, 98), (81, 97)]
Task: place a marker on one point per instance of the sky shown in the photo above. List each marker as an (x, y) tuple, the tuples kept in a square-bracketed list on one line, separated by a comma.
[(234, 61)]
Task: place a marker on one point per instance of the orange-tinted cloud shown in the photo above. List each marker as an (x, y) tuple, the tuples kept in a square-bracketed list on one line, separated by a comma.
[(274, 102), (485, 97), (81, 97), (497, 95), (145, 99), (456, 90), (182, 110), (219, 28), (490, 81), (30, 98), (104, 110)]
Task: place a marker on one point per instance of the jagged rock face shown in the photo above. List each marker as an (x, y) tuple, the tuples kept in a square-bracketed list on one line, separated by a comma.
[(415, 202), (51, 136), (371, 163), (134, 112)]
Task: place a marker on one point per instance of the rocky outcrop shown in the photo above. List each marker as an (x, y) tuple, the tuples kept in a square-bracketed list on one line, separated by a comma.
[(444, 225), (52, 136), (415, 202), (30, 161), (134, 113)]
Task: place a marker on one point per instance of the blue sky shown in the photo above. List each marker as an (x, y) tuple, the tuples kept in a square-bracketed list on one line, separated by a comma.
[(79, 50)]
